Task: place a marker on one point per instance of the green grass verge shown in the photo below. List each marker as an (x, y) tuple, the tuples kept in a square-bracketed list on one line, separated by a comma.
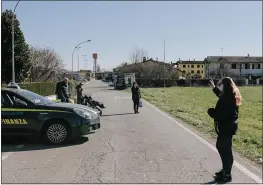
[(191, 104)]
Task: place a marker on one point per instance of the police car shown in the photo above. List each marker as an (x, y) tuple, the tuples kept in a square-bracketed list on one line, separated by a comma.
[(26, 113)]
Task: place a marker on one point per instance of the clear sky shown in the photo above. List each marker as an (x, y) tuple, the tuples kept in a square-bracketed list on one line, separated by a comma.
[(191, 29)]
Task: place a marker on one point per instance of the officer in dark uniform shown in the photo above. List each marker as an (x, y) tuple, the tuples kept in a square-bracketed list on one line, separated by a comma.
[(225, 116), (62, 90), (79, 90)]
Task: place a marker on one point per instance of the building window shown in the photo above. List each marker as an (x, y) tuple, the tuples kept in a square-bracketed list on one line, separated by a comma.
[(246, 66), (202, 65), (183, 71), (198, 71), (183, 66), (259, 66), (192, 72), (234, 66), (198, 66), (253, 66), (202, 71), (192, 66)]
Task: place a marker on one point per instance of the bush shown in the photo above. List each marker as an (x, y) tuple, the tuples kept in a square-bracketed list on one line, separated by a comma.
[(42, 88), (181, 82), (261, 81), (240, 82)]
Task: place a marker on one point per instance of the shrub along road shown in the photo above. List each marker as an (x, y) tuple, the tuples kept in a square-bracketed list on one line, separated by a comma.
[(144, 148)]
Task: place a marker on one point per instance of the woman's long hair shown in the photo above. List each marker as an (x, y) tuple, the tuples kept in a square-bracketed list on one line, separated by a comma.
[(133, 84), (231, 91)]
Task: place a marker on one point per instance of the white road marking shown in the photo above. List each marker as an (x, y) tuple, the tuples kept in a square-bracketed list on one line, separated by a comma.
[(6, 155), (239, 166)]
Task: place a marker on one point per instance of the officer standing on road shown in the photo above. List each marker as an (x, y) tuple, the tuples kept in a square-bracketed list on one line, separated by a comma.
[(136, 95), (225, 116), (62, 90), (79, 90)]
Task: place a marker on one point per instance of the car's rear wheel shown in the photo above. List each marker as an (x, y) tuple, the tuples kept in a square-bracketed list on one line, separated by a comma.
[(56, 132)]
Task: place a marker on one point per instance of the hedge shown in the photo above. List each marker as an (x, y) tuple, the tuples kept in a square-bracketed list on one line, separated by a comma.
[(45, 88), (182, 82)]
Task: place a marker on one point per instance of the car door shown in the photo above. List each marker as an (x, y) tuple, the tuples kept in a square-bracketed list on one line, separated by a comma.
[(9, 118), (17, 116)]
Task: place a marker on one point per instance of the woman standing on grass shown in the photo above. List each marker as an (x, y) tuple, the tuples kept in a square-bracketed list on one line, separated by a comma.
[(136, 95), (225, 116)]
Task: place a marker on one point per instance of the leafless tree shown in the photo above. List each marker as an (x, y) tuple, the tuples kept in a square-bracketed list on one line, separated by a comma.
[(137, 55), (45, 64)]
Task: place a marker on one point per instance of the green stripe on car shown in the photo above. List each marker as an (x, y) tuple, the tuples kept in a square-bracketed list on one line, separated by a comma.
[(30, 110)]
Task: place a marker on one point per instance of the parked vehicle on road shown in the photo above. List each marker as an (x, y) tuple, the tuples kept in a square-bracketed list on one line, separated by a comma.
[(27, 113)]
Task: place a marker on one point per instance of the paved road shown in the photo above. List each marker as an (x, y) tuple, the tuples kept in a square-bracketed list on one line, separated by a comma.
[(144, 148)]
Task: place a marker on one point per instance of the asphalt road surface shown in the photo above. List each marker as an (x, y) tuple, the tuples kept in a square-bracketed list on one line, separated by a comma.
[(149, 147)]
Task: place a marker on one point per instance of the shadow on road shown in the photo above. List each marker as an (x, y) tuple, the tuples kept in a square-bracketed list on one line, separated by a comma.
[(116, 114), (10, 144), (214, 182)]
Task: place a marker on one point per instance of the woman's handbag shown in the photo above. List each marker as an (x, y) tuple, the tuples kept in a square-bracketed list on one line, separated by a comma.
[(140, 103)]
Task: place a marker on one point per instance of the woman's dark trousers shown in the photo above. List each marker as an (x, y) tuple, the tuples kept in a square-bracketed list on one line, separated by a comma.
[(224, 147), (136, 104)]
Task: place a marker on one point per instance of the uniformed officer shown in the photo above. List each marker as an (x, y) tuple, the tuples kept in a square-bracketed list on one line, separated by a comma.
[(62, 90), (225, 116)]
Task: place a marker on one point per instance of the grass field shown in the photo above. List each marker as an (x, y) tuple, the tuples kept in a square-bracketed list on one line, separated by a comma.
[(191, 104)]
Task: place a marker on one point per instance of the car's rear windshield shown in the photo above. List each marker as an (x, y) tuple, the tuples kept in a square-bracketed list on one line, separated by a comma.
[(33, 97)]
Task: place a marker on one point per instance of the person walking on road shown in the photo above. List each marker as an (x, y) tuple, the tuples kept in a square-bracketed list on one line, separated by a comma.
[(62, 90), (136, 95), (225, 116), (79, 90)]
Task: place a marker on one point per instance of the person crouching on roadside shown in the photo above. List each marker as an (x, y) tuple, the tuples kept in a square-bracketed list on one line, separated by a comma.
[(79, 90), (225, 116), (136, 95)]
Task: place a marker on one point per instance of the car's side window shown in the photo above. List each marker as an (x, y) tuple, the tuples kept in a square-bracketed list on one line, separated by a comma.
[(6, 102), (17, 101)]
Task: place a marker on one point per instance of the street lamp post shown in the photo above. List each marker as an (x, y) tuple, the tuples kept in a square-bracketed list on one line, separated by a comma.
[(13, 44), (78, 56), (84, 61), (73, 55)]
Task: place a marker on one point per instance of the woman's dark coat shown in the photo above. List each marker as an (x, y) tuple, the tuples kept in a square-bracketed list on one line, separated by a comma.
[(136, 95), (225, 114)]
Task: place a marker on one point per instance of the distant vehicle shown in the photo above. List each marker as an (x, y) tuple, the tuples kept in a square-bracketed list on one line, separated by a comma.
[(27, 113), (121, 84)]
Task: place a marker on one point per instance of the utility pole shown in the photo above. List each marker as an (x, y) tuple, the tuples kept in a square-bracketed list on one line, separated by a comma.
[(13, 44), (221, 73), (164, 63)]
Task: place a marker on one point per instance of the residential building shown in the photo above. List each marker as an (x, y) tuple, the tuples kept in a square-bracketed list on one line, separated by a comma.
[(195, 69), (234, 66)]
